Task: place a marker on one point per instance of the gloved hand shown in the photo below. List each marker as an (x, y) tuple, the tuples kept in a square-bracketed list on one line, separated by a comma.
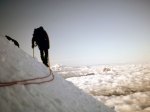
[(32, 46)]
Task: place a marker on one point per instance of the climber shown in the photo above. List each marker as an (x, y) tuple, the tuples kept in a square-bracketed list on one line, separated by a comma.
[(15, 42), (41, 39)]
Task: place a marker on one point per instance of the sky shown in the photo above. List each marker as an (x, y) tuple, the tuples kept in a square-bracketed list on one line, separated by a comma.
[(82, 32)]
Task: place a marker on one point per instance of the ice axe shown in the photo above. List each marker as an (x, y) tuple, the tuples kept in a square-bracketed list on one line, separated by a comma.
[(33, 52)]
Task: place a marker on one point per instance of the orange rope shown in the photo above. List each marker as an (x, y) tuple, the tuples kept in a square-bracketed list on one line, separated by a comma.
[(25, 80), (28, 81)]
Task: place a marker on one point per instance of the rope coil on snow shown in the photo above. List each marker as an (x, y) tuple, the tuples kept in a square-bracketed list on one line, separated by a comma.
[(29, 81)]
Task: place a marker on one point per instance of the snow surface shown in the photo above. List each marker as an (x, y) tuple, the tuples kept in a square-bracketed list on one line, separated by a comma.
[(56, 96), (125, 88)]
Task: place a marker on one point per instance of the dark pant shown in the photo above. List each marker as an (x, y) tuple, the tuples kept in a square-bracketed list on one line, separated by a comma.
[(44, 56)]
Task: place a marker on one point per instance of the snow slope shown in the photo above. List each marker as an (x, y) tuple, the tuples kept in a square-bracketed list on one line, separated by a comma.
[(56, 96)]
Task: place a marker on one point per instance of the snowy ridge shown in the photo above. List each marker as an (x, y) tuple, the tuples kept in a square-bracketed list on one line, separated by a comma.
[(56, 96), (17, 63)]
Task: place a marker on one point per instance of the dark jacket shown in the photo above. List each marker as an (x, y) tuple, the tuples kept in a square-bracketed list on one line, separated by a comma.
[(40, 38)]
